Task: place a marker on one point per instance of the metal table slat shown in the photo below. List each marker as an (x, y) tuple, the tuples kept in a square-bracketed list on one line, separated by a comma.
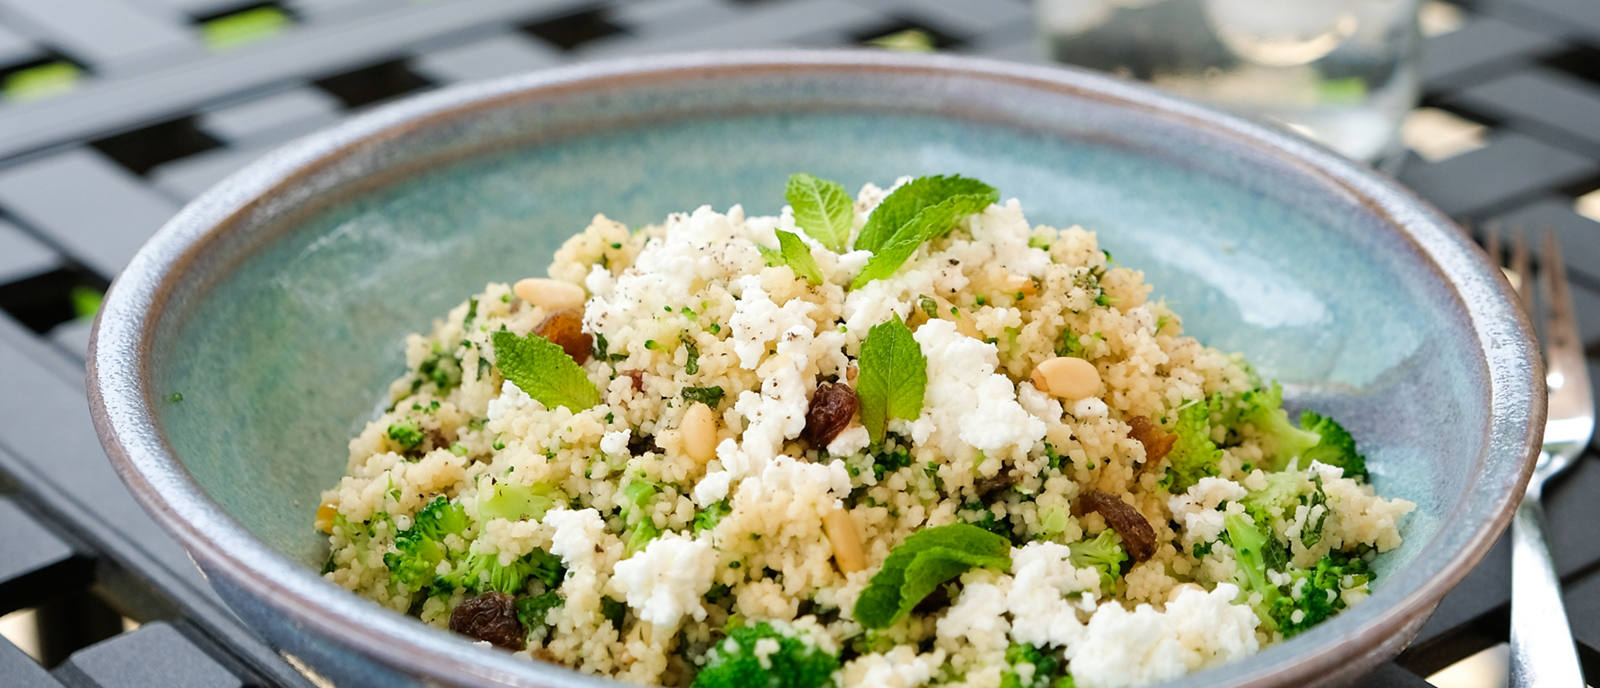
[(108, 106), (107, 34), (155, 654), (20, 671), (1467, 185), (48, 194), (34, 561)]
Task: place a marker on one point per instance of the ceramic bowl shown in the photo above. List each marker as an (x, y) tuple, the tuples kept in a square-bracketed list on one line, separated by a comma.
[(275, 305)]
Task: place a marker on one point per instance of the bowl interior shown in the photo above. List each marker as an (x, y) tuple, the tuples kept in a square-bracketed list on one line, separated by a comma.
[(282, 339), (293, 351)]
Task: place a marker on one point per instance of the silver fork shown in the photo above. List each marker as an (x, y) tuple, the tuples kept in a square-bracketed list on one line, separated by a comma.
[(1542, 652)]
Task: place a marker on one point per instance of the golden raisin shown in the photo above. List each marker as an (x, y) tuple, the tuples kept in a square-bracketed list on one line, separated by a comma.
[(1157, 442), (1138, 538), (564, 328)]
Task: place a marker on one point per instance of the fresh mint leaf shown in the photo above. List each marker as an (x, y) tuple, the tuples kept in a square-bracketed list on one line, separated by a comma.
[(710, 396), (888, 222), (921, 564), (797, 255), (894, 375), (821, 209), (933, 217), (544, 371)]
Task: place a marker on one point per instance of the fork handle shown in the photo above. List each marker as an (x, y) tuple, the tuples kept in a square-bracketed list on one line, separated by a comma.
[(1542, 652)]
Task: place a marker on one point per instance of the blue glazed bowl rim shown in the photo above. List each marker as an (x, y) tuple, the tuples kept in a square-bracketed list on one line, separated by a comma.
[(120, 356)]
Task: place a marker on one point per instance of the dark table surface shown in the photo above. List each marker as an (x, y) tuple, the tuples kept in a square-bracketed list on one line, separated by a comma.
[(161, 107)]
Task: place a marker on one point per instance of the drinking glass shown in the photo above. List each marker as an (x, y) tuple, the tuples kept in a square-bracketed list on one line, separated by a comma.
[(1343, 72)]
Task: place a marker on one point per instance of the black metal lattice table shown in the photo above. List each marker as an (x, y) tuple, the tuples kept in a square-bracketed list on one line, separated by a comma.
[(158, 99)]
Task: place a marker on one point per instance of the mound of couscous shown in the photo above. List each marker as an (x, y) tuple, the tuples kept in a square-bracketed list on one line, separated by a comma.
[(898, 440)]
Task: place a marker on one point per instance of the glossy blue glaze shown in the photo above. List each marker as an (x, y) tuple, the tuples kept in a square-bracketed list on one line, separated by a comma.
[(281, 325)]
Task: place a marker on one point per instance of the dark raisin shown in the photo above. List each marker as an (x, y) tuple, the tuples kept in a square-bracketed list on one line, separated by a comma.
[(1157, 442), (564, 328), (830, 412), (1138, 538), (935, 601), (638, 379), (986, 487), (491, 616)]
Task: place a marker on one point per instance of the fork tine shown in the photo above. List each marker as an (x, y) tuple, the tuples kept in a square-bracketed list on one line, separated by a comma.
[(1491, 244), (1522, 279), (1567, 376)]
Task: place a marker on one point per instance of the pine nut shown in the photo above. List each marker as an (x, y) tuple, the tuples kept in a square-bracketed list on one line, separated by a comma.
[(846, 541), (1065, 377), (549, 294), (699, 433), (966, 326)]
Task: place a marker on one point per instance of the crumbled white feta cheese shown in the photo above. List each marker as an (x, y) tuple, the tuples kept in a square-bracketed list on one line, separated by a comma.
[(1197, 630), (713, 486), (900, 667), (1043, 580), (851, 263), (599, 281), (696, 246), (665, 581), (977, 617), (1041, 405), (967, 404), (854, 439), (757, 321), (577, 537), (879, 301), (1141, 314), (615, 442), (776, 414), (511, 400), (1004, 230), (1196, 508)]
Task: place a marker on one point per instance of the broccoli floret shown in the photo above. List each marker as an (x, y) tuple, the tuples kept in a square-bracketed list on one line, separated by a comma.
[(442, 369), (1262, 409), (1053, 520), (710, 516), (532, 609), (1193, 455), (406, 433), (613, 611), (483, 572), (1255, 551), (733, 663), (518, 502), (981, 516), (1048, 669), (1104, 553), (1318, 594), (1335, 448), (1281, 498), (635, 495), (421, 547)]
